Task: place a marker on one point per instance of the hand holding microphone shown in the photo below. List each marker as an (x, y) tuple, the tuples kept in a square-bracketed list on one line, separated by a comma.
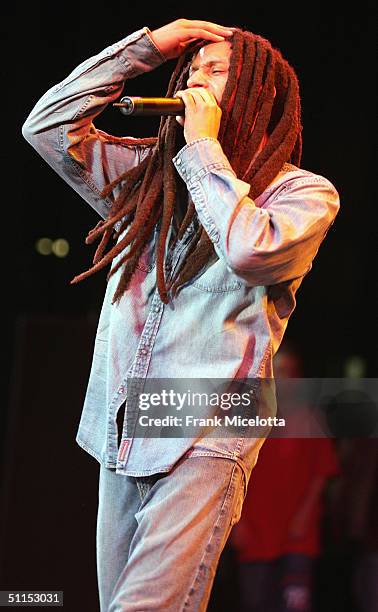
[(202, 114), (197, 104)]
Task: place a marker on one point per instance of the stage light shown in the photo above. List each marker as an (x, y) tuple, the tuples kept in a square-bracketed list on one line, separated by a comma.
[(60, 247), (43, 246)]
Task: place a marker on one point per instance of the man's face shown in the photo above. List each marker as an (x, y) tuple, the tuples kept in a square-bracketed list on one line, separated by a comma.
[(209, 68)]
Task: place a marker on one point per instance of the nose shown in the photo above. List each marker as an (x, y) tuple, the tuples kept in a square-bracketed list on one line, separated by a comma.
[(198, 79)]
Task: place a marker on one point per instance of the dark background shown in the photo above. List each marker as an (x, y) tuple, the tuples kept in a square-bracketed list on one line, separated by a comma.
[(49, 491)]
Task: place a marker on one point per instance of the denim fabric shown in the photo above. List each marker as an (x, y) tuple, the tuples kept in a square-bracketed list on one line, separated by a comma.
[(159, 538), (229, 320)]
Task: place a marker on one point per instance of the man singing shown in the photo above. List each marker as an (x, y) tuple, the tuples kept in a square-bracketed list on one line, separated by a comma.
[(208, 229)]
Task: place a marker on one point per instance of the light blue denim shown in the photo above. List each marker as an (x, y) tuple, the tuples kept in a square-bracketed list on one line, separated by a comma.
[(159, 537), (229, 320)]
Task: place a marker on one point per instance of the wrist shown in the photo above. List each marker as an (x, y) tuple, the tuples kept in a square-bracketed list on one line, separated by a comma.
[(154, 45), (200, 135)]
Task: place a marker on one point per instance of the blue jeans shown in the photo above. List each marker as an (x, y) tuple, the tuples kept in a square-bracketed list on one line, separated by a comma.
[(159, 537)]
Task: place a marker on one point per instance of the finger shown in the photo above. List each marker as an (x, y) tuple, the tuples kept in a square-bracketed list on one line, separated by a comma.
[(180, 119), (206, 95), (187, 98), (202, 91), (211, 27), (188, 41), (200, 33)]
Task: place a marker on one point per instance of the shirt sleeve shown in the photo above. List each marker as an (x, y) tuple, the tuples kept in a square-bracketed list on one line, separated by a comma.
[(60, 126), (264, 245)]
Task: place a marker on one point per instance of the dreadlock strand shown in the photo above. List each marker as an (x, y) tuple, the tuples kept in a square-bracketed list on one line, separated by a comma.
[(131, 258), (143, 207), (139, 242), (126, 141), (186, 269), (152, 169), (168, 206), (110, 222), (189, 215), (229, 91), (252, 137), (259, 129), (256, 87), (101, 247), (127, 220), (113, 217), (152, 189), (262, 52), (133, 181), (126, 276), (284, 129), (103, 262), (297, 152), (195, 262), (191, 248), (129, 177), (235, 115), (99, 225), (250, 100), (178, 71), (109, 256), (296, 155), (274, 163)]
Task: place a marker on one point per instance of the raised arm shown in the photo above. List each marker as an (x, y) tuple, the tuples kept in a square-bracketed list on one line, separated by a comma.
[(60, 126)]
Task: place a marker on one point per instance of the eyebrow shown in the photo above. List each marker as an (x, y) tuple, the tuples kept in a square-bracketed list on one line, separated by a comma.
[(210, 63)]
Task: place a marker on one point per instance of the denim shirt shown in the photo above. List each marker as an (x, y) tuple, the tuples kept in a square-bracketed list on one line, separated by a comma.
[(225, 323)]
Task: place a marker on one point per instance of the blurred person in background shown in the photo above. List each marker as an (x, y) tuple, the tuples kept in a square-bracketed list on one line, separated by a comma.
[(278, 537), (354, 524)]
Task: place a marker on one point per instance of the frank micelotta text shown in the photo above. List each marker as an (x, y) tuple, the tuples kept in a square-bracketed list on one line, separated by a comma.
[(214, 421)]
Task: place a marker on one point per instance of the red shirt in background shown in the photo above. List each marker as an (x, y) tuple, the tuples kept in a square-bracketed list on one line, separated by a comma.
[(278, 485)]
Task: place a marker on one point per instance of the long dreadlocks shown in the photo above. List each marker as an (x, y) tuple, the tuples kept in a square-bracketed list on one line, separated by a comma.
[(262, 93)]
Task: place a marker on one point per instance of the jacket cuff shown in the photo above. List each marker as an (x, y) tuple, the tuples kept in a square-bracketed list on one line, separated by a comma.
[(196, 159), (138, 53)]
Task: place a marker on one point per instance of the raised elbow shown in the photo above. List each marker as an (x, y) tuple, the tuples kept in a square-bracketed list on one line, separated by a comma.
[(27, 131), (31, 129)]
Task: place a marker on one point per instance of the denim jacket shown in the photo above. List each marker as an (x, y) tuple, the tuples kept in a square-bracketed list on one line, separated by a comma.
[(229, 320)]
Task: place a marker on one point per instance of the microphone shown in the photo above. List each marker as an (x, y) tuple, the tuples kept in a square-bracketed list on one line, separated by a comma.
[(150, 106)]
